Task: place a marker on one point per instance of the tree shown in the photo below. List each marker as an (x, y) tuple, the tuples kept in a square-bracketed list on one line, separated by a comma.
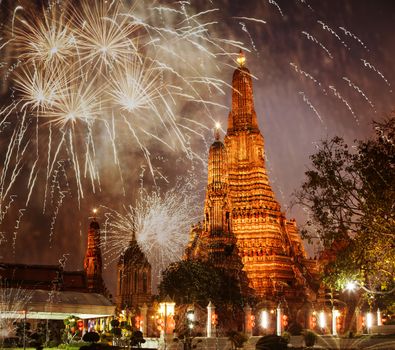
[(350, 192), (193, 281)]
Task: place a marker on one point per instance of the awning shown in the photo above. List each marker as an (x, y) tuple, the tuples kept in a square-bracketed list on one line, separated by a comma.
[(58, 305)]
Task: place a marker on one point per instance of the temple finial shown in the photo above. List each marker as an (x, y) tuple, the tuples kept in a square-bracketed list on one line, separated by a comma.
[(216, 131), (241, 59)]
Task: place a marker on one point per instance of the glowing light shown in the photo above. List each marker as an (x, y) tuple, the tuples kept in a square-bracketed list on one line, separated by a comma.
[(351, 286), (322, 319), (369, 320), (264, 319), (241, 59)]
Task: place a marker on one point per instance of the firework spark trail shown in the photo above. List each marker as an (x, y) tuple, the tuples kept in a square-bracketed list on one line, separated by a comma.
[(277, 5), (244, 29), (312, 38), (251, 19), (304, 2), (12, 166), (373, 68), (159, 223), (341, 98), (17, 224), (347, 32), (357, 88), (305, 99), (307, 75), (55, 282), (330, 30)]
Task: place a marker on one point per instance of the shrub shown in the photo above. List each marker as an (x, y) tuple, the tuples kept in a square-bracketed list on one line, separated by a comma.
[(295, 329), (272, 342), (309, 337), (91, 337), (237, 338)]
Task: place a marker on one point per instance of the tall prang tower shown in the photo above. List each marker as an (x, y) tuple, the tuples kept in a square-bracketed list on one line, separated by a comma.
[(93, 260), (241, 210), (268, 243)]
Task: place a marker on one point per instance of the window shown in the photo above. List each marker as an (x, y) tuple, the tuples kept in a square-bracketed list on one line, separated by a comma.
[(145, 282)]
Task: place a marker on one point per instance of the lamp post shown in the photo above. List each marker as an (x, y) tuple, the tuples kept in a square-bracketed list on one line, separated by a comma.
[(335, 314), (265, 320), (369, 321), (278, 320), (166, 309), (24, 329), (322, 320)]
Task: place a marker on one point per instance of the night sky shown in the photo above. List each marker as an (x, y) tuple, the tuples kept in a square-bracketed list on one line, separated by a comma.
[(322, 68)]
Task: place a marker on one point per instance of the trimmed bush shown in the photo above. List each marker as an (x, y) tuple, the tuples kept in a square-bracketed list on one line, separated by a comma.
[(271, 342)]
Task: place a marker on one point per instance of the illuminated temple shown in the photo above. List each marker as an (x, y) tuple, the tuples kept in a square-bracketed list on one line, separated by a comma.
[(242, 216)]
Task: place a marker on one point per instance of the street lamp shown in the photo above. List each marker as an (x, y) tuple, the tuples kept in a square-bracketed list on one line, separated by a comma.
[(322, 320), (351, 286), (190, 318), (166, 309), (265, 319), (369, 321)]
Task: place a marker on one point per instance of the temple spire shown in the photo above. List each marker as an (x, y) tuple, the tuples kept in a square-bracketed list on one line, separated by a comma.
[(216, 131), (242, 116), (241, 59), (93, 259)]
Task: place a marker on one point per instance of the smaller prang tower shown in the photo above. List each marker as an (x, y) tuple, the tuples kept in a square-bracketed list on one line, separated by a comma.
[(214, 241), (93, 260), (133, 278)]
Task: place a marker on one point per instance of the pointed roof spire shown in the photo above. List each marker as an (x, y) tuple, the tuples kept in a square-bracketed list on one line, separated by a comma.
[(242, 115), (216, 131)]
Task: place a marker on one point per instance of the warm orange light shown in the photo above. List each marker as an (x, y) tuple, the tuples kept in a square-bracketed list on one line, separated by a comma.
[(241, 60)]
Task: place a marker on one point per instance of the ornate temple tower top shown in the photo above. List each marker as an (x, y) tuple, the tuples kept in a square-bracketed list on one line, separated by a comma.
[(243, 115), (93, 260), (217, 221)]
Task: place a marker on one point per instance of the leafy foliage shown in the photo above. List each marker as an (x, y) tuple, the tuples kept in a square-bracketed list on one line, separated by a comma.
[(193, 281), (237, 339), (351, 196)]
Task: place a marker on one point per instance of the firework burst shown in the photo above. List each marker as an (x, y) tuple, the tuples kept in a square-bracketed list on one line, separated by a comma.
[(160, 223), (105, 67), (12, 302)]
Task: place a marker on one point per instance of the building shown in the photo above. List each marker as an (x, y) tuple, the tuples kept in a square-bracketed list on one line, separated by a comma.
[(242, 215), (133, 278), (93, 265), (49, 292)]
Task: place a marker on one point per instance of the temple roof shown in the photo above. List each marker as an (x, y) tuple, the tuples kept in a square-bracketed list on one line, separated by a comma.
[(133, 255)]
